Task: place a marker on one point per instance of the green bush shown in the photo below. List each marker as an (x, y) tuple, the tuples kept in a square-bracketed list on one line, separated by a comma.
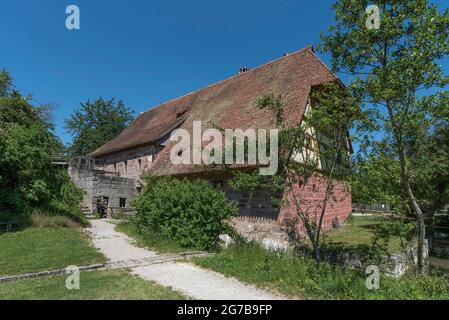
[(64, 201), (190, 212)]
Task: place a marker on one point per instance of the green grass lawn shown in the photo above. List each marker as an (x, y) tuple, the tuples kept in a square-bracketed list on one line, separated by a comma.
[(97, 285), (357, 232), (37, 249), (154, 241), (298, 277)]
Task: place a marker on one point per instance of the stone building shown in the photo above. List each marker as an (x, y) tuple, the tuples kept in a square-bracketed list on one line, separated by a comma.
[(145, 145), (101, 187)]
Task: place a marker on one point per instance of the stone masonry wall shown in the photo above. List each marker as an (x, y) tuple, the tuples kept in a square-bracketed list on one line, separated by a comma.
[(395, 265), (267, 232), (99, 184)]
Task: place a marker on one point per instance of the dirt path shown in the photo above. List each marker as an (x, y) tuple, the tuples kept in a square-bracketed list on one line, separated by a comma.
[(189, 279)]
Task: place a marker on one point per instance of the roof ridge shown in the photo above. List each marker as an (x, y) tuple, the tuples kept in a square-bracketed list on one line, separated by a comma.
[(310, 47)]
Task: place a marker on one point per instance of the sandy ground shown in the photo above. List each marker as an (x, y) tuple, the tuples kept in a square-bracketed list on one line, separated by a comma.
[(187, 278)]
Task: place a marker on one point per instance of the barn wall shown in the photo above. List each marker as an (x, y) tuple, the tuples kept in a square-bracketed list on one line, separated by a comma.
[(131, 163), (312, 195), (260, 221)]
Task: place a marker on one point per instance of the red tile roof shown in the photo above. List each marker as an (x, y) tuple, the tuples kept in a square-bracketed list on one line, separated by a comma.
[(228, 104)]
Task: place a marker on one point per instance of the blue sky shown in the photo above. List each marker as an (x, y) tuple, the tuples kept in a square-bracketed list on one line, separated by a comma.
[(146, 52)]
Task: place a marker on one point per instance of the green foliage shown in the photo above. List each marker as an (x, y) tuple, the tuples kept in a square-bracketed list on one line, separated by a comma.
[(95, 123), (404, 230), (431, 177), (67, 198), (395, 67), (5, 83), (396, 75), (190, 212), (120, 214), (246, 181), (28, 180), (299, 277), (275, 103), (377, 179)]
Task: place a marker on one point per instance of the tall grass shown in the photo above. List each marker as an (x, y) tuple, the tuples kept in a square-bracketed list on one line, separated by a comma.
[(74, 215), (44, 221), (296, 276)]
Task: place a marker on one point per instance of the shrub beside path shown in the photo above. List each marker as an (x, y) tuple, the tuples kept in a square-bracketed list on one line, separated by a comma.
[(189, 279)]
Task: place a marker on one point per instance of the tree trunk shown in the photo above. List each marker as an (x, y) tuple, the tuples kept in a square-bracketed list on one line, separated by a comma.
[(316, 251), (405, 178), (329, 188), (304, 219), (416, 208)]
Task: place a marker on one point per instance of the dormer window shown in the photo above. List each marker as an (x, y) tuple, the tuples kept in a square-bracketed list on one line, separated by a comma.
[(181, 113)]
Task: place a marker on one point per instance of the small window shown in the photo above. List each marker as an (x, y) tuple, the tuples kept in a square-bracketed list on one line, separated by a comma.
[(140, 164), (126, 166), (309, 142), (122, 202)]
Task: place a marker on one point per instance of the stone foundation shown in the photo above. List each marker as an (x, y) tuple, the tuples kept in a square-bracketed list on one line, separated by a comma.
[(395, 265), (267, 232)]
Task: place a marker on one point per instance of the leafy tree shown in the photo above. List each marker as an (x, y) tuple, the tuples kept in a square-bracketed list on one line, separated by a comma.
[(377, 179), (95, 123), (5, 83), (318, 146), (396, 72), (431, 156), (27, 178)]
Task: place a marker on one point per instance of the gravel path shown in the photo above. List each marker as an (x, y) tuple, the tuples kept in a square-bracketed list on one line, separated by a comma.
[(189, 279)]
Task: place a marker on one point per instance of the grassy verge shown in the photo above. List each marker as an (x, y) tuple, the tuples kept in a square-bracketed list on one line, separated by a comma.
[(98, 285), (296, 276), (154, 241), (51, 243)]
